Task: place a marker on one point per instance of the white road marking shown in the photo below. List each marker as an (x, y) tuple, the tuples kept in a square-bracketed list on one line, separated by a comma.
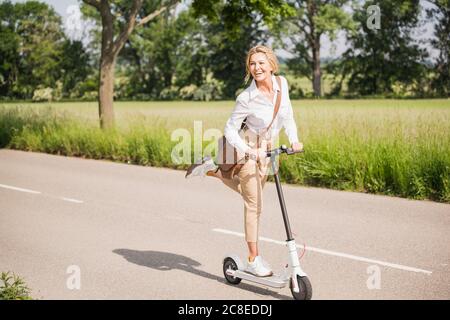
[(19, 189), (38, 192), (333, 253), (72, 200)]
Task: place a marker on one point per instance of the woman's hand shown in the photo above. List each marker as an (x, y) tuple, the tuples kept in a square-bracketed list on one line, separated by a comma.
[(297, 146)]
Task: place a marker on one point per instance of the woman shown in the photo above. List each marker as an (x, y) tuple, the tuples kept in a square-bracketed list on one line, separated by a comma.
[(255, 104)]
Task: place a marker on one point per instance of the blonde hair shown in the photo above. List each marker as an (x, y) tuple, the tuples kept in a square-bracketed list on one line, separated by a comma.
[(271, 57)]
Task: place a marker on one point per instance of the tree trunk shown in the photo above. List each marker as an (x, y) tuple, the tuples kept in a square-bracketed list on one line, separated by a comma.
[(110, 50), (317, 74), (106, 92), (314, 42), (107, 63)]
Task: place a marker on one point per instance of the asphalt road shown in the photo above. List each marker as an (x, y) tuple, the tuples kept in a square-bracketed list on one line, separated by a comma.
[(85, 229)]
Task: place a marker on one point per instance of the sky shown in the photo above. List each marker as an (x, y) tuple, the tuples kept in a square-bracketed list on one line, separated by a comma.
[(69, 11)]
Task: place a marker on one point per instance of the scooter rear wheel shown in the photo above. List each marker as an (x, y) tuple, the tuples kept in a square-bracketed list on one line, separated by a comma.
[(305, 289), (229, 263)]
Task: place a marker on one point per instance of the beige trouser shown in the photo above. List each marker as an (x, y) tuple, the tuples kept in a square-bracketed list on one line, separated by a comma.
[(249, 183)]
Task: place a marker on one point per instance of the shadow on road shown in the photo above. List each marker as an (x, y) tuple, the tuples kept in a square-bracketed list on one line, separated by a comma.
[(165, 261)]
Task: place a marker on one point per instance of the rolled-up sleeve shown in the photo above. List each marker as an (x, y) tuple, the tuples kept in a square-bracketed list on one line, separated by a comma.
[(290, 127), (234, 123)]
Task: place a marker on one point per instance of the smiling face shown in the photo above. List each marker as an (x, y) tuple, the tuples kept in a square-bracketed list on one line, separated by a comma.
[(260, 63), (260, 67)]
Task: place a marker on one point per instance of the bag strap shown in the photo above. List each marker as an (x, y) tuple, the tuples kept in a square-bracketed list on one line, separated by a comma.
[(277, 103), (275, 112)]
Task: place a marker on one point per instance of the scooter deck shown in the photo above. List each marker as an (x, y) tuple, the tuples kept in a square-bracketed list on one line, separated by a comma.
[(275, 281)]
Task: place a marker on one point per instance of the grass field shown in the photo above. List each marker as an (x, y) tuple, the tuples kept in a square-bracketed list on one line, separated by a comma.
[(394, 147)]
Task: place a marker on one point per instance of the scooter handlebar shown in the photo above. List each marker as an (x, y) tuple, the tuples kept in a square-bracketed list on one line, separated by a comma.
[(283, 149)]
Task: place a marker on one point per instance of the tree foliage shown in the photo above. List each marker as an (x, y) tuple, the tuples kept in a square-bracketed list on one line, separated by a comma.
[(199, 53), (314, 19), (440, 14), (380, 59), (35, 52)]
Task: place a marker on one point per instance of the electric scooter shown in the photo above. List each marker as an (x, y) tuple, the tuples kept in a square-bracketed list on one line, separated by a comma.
[(234, 268)]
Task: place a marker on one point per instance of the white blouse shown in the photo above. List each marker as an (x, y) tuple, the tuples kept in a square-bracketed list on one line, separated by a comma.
[(254, 105)]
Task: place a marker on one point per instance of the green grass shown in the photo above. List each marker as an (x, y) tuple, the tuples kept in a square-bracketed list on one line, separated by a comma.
[(393, 147), (12, 287), (58, 132)]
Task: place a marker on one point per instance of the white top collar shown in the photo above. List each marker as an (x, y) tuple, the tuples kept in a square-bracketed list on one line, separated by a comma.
[(253, 89)]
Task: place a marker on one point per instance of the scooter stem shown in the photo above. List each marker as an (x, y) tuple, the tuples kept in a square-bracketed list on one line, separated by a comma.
[(281, 198)]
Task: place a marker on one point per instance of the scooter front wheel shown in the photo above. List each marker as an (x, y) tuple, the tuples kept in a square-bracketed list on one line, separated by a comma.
[(229, 263), (305, 289)]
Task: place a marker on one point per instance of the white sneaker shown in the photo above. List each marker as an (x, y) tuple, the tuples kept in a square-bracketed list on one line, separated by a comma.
[(258, 268), (200, 169)]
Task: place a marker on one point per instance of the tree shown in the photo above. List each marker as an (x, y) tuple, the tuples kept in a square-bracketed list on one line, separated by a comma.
[(75, 65), (228, 47), (193, 51), (119, 18), (9, 48), (167, 52), (440, 13), (380, 58), (31, 47), (313, 19), (42, 37)]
